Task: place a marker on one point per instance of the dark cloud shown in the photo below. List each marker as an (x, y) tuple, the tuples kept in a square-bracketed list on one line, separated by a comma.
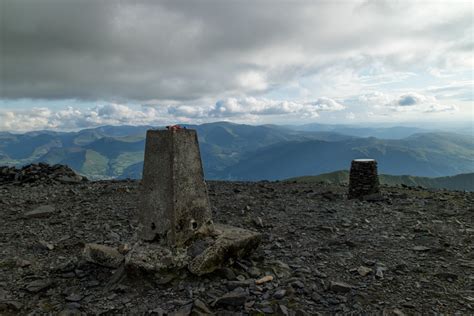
[(407, 100), (190, 50)]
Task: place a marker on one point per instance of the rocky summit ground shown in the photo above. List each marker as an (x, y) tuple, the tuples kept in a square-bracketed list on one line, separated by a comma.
[(407, 254)]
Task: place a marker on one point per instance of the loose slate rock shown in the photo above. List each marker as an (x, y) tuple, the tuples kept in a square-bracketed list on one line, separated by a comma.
[(41, 212), (237, 297), (38, 286), (363, 271), (340, 287), (421, 248), (103, 255)]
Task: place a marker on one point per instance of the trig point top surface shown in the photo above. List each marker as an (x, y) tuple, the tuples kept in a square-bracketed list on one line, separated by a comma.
[(363, 160)]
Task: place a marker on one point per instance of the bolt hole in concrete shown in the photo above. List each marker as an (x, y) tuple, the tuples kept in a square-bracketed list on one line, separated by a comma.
[(194, 225), (153, 226)]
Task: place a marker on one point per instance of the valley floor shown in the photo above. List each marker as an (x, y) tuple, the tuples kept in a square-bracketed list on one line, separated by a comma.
[(411, 253)]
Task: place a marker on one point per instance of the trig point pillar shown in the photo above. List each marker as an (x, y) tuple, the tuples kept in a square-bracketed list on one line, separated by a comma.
[(363, 178), (174, 201)]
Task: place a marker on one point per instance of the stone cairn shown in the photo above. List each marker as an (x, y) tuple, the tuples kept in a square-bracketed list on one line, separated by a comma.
[(176, 227), (39, 173), (363, 178)]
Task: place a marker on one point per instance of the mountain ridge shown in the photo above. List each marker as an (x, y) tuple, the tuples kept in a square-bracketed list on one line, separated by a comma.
[(242, 152)]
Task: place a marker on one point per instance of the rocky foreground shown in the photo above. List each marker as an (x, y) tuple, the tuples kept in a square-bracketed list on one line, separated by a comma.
[(409, 253)]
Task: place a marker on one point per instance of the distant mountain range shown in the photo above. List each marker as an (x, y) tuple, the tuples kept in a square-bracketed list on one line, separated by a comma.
[(462, 182), (244, 152)]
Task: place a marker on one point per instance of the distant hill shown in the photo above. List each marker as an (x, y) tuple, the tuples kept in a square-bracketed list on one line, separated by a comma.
[(430, 155), (462, 182), (243, 152)]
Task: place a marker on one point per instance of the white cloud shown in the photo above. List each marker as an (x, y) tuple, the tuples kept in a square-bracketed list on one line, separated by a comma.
[(73, 118), (410, 102), (186, 51), (231, 107), (119, 114)]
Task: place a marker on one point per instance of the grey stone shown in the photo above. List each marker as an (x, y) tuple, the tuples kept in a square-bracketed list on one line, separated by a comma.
[(174, 205), (237, 297), (230, 242), (103, 255), (201, 307), (279, 294), (254, 272), (38, 286), (183, 310), (282, 310), (41, 211), (73, 297), (340, 287), (363, 271), (10, 305)]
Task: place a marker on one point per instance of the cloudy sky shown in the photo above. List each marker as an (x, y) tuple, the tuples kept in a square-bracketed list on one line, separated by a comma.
[(75, 64)]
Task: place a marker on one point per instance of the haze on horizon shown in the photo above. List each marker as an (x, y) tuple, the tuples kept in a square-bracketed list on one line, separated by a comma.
[(76, 64)]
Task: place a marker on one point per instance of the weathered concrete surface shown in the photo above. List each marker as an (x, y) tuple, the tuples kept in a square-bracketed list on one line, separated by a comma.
[(175, 205), (229, 242), (203, 256), (152, 257)]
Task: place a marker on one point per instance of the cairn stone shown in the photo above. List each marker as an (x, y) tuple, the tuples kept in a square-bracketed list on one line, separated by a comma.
[(363, 178), (175, 204)]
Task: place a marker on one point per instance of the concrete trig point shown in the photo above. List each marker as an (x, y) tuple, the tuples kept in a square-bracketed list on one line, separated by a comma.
[(175, 204), (175, 214)]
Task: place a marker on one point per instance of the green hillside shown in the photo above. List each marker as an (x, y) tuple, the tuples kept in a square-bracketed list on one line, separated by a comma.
[(244, 152), (463, 182)]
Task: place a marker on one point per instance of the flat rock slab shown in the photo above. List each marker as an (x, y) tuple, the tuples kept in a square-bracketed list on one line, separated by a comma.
[(41, 211), (230, 242), (103, 255), (203, 256)]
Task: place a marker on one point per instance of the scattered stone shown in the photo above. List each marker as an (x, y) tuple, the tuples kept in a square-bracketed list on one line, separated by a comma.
[(73, 297), (41, 212), (183, 310), (279, 294), (201, 307), (340, 287), (103, 255), (254, 272), (297, 284), (449, 276), (379, 272), (46, 245), (282, 310), (38, 286), (363, 271), (265, 279), (237, 297), (10, 305), (421, 248)]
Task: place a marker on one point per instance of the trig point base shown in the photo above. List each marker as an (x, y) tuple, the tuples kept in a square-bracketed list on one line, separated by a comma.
[(363, 178), (174, 202)]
